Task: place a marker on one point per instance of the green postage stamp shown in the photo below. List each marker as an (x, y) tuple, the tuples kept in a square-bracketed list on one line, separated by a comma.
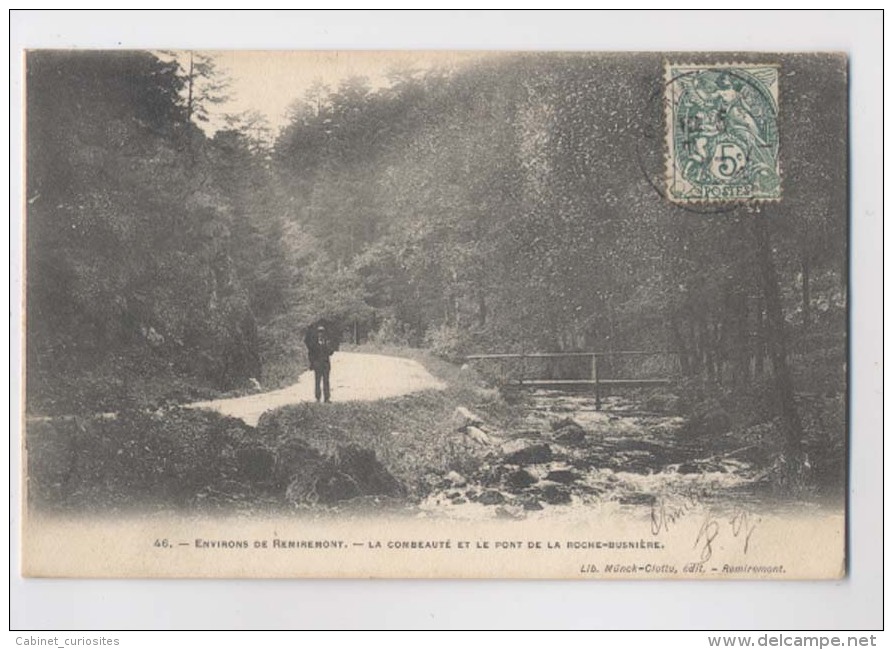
[(722, 133)]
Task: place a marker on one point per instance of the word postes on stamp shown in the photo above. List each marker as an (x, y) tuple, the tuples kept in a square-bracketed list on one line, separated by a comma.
[(722, 133)]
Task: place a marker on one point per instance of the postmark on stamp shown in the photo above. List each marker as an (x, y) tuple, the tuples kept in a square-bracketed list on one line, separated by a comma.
[(722, 133)]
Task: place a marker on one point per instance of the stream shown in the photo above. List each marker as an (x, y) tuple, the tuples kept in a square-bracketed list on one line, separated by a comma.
[(566, 457)]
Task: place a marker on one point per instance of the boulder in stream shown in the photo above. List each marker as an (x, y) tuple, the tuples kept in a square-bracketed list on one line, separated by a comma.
[(568, 431), (555, 495), (571, 437), (530, 455), (709, 418), (564, 476), (529, 503), (490, 498), (510, 512), (565, 423), (520, 479)]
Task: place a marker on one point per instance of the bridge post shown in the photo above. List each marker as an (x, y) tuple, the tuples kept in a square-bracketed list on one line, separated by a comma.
[(598, 395)]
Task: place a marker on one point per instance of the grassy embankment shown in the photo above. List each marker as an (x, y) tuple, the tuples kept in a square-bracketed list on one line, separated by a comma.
[(413, 435), (305, 454)]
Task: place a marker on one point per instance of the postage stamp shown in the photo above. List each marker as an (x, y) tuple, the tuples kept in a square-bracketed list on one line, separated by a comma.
[(722, 132)]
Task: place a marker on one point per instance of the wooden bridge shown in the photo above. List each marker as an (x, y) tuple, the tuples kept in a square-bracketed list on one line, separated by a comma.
[(595, 379)]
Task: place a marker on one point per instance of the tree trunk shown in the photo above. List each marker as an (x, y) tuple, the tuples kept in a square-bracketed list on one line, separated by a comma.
[(804, 280), (742, 360), (784, 384), (190, 109), (706, 349), (612, 319), (189, 79), (696, 365), (760, 341), (681, 348), (712, 351), (717, 339), (737, 335), (482, 308)]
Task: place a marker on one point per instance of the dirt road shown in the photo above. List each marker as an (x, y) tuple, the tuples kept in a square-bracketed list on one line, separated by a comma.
[(355, 376)]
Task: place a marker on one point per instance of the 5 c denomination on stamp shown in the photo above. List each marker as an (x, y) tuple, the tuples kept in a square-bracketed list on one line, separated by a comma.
[(722, 133)]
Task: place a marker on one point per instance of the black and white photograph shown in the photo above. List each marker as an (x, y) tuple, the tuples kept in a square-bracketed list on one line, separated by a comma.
[(436, 314)]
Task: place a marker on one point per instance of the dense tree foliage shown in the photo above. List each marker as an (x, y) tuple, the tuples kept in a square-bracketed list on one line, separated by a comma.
[(514, 204), (131, 228)]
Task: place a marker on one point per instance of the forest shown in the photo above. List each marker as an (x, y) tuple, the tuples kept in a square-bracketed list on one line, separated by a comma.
[(512, 204)]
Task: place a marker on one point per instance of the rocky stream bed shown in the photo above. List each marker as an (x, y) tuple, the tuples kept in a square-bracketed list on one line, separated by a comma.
[(566, 455)]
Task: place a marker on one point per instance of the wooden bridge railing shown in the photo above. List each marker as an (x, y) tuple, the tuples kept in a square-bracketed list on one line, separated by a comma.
[(594, 380)]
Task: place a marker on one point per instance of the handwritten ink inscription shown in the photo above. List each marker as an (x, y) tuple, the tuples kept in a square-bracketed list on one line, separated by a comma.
[(740, 526)]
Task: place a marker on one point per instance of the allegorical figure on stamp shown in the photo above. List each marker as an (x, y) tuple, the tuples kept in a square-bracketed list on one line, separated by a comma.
[(723, 133), (320, 347)]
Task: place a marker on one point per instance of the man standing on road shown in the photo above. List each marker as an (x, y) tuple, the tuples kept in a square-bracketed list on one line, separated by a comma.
[(319, 350)]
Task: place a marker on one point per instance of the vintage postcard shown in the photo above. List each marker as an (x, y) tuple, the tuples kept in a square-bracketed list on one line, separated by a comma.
[(436, 315)]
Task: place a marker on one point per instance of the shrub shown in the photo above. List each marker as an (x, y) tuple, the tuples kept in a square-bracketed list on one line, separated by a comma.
[(135, 459), (446, 342)]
